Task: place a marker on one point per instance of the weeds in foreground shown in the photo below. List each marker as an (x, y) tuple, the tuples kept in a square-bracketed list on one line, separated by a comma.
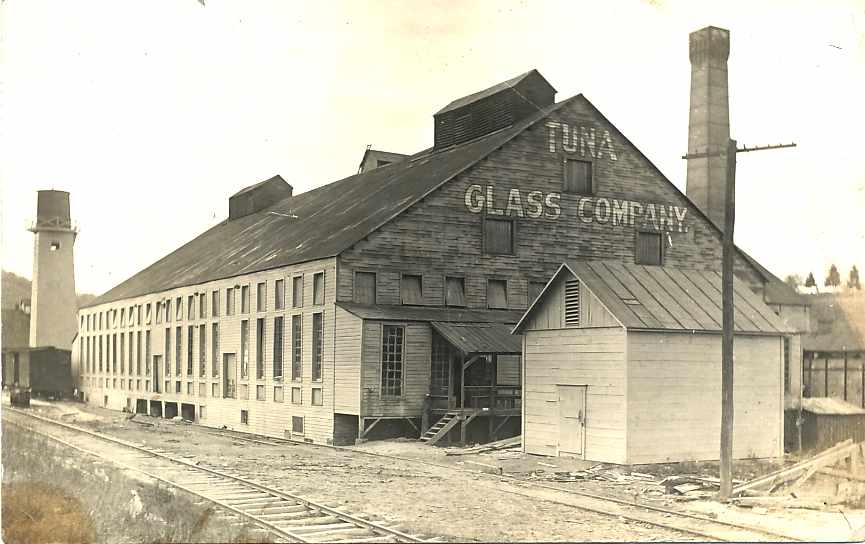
[(54, 495)]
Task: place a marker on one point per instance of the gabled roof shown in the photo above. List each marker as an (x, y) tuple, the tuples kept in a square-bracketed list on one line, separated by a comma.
[(474, 97), (667, 298), (775, 290), (329, 219)]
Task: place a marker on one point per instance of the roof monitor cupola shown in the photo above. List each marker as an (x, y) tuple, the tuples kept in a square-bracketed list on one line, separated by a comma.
[(492, 109)]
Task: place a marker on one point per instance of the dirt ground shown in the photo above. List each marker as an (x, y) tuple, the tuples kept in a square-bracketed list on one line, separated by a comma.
[(459, 505)]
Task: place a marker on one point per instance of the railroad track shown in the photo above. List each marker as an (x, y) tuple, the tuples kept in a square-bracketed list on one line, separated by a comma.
[(287, 516), (697, 525)]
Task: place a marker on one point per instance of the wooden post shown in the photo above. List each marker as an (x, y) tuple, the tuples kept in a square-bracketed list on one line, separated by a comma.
[(826, 376), (862, 381), (810, 374), (493, 384), (845, 373), (726, 468)]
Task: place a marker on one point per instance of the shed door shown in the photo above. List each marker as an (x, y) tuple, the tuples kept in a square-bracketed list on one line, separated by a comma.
[(572, 419)]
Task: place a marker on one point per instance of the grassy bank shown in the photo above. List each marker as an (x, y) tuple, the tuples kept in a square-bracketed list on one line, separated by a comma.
[(51, 494)]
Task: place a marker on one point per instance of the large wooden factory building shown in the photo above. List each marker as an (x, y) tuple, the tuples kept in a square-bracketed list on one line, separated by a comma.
[(384, 302)]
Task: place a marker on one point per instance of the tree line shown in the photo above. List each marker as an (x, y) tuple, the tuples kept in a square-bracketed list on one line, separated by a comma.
[(832, 279)]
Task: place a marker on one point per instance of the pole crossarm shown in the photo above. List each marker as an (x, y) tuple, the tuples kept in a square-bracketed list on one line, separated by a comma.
[(743, 149)]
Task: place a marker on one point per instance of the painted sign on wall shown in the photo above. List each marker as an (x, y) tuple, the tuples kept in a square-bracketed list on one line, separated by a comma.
[(534, 204), (580, 139)]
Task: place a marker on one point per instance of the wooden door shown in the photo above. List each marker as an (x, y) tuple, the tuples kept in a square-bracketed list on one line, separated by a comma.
[(229, 370), (572, 419)]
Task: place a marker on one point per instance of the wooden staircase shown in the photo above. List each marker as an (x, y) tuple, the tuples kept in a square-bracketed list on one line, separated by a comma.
[(441, 428)]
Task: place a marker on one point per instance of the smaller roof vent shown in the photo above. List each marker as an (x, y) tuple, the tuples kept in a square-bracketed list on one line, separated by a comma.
[(258, 197)]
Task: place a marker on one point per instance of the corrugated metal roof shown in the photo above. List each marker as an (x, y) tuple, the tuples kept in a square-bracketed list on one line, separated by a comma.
[(474, 97), (830, 406), (430, 313), (838, 322), (667, 298), (480, 337), (328, 219)]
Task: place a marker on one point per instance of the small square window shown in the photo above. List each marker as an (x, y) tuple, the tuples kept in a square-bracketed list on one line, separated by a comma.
[(297, 424), (259, 392), (497, 294), (317, 397), (498, 236), (578, 177), (364, 287), (244, 417), (296, 395), (411, 289), (55, 245), (649, 249)]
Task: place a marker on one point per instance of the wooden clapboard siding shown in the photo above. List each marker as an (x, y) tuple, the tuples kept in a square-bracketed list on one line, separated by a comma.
[(265, 416), (439, 236), (592, 357), (416, 370), (347, 362), (549, 312), (674, 397)]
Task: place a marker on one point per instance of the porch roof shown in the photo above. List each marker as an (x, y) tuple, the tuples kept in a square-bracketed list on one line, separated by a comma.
[(480, 337)]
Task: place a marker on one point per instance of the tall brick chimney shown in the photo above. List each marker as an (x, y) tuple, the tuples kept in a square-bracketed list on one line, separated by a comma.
[(709, 120)]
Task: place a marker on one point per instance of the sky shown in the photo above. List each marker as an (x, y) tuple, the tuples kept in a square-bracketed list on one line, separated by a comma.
[(151, 114)]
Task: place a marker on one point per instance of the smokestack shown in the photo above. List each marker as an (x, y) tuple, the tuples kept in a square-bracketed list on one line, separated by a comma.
[(709, 120)]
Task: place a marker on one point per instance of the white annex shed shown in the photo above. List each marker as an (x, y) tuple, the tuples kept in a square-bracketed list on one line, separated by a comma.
[(622, 364)]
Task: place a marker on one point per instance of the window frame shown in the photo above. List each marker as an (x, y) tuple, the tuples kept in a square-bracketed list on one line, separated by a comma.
[(487, 294), (354, 296), (662, 253), (402, 277), (279, 300), (382, 393), (590, 176), (462, 278), (318, 294), (295, 302), (484, 221), (317, 366)]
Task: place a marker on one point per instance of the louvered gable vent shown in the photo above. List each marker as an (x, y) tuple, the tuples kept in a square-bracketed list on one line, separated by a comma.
[(572, 303)]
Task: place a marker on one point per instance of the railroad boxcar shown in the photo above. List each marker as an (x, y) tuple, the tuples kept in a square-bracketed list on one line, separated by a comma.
[(43, 371)]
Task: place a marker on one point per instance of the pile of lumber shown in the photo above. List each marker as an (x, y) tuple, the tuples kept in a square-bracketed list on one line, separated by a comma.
[(845, 460), (507, 443)]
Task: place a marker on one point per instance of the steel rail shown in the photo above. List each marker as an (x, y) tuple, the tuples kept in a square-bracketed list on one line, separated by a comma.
[(311, 505)]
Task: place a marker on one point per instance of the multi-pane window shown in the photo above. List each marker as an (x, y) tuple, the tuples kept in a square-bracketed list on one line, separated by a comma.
[(296, 395), (259, 392), (455, 292), (649, 248), (244, 348), (578, 177), (202, 305), (244, 299), (190, 307), (114, 353), (259, 348), (278, 394), (364, 287), (279, 294), (317, 397), (535, 288), (391, 360), (295, 347), (178, 308), (178, 350), (244, 416), (261, 297), (131, 345), (168, 311), (202, 349), (214, 303), (229, 301), (318, 288), (497, 294), (100, 353), (498, 236), (167, 353), (147, 352), (123, 317), (158, 310), (122, 353), (214, 343), (317, 345), (190, 335), (297, 292), (411, 289), (148, 319), (278, 330), (296, 423)]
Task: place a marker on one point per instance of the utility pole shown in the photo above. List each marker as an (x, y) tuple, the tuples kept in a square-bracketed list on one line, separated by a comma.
[(728, 249)]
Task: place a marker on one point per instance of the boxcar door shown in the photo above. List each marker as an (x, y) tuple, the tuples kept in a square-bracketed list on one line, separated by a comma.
[(572, 419), (229, 370)]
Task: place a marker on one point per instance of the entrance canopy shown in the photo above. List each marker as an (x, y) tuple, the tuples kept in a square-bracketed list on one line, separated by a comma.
[(480, 337)]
